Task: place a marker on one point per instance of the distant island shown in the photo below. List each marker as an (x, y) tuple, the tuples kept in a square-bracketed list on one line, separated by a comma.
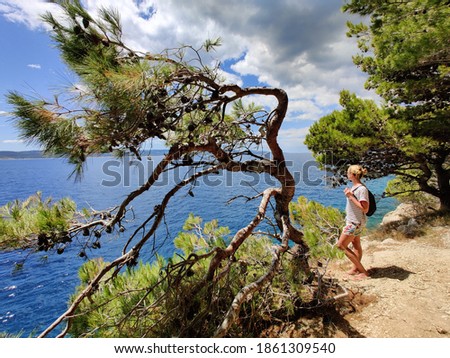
[(37, 154), (29, 154)]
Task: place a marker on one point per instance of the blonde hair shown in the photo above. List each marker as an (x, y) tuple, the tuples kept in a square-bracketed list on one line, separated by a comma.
[(357, 170)]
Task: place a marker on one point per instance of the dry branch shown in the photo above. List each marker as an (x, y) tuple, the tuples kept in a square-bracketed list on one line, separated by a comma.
[(233, 313)]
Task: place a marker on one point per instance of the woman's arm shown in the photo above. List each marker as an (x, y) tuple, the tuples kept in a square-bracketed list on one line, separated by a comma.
[(364, 205)]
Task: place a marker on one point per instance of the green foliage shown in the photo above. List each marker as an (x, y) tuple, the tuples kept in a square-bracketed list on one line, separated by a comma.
[(366, 134), (161, 299), (406, 189), (35, 217), (123, 293), (9, 335), (343, 137), (57, 134), (169, 297), (404, 49), (198, 239), (321, 226)]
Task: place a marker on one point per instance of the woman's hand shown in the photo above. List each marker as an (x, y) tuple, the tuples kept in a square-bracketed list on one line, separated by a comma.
[(348, 193)]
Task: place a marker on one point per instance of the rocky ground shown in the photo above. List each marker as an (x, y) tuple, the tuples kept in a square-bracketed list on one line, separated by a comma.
[(407, 295)]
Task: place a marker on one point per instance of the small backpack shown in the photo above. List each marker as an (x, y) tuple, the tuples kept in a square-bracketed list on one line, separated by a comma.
[(372, 202)]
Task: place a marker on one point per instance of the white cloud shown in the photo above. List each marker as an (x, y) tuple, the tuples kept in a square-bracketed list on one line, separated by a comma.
[(231, 78), (291, 140), (27, 12), (34, 66), (300, 46), (12, 141), (303, 109)]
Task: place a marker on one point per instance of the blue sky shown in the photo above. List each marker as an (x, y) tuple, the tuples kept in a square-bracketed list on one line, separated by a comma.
[(299, 46), (29, 64)]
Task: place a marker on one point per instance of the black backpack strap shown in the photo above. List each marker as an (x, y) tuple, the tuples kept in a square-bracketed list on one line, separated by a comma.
[(359, 186)]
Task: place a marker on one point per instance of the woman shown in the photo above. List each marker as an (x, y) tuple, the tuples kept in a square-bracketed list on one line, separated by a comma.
[(356, 209)]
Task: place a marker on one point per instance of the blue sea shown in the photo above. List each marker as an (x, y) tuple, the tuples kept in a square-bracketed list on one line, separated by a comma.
[(34, 294)]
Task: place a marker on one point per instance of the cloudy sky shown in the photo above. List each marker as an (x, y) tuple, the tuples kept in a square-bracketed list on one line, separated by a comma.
[(298, 45)]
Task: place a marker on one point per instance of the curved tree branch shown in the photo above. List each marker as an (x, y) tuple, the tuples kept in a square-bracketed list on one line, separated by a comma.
[(233, 313)]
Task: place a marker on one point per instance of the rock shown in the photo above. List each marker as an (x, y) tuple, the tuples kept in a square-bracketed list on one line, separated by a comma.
[(402, 212), (413, 223), (410, 229), (389, 241), (405, 212)]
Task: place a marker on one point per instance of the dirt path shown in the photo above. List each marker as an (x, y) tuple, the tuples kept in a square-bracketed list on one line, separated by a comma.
[(408, 294)]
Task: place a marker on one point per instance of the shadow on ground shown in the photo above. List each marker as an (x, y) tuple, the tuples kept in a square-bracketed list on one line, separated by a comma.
[(392, 272)]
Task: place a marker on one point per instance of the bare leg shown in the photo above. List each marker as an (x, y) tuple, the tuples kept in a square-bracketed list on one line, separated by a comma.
[(343, 243), (357, 249)]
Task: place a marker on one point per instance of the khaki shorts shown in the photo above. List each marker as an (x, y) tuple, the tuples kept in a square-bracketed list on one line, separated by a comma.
[(353, 229)]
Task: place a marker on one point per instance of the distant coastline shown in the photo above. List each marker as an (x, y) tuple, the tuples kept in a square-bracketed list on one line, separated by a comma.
[(28, 154), (37, 154)]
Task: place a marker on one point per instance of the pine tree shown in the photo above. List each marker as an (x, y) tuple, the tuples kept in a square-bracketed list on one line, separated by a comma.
[(404, 50), (122, 101)]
